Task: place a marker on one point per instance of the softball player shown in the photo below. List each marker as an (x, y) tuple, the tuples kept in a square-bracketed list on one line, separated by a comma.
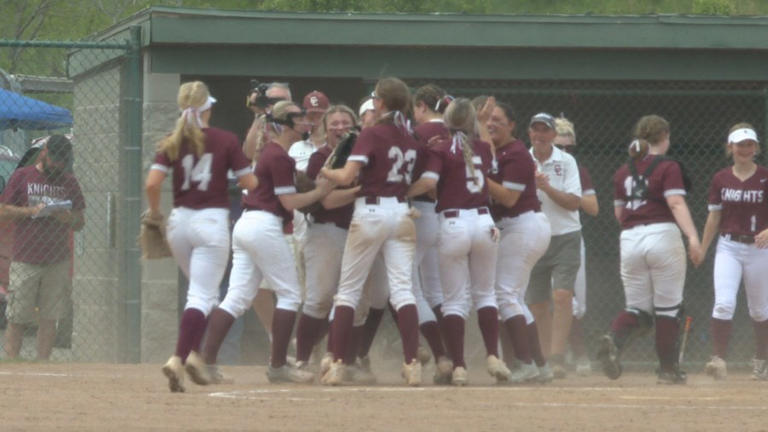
[(260, 250), (566, 141), (383, 156), (738, 212), (468, 238), (430, 102), (649, 204), (525, 235), (199, 157)]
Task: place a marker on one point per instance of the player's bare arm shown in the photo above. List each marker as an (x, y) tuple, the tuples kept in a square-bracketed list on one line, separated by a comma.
[(589, 205), (711, 228), (422, 186), (683, 218), (339, 198), (343, 176), (500, 194), (323, 187), (153, 188), (247, 181)]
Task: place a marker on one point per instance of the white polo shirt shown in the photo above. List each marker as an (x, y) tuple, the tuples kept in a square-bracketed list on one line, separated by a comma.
[(300, 151), (563, 175)]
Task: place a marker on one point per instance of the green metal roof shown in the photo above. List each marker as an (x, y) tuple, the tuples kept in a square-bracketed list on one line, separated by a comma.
[(169, 25)]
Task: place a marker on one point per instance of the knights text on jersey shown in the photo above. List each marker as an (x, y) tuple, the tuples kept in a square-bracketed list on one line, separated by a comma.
[(742, 203)]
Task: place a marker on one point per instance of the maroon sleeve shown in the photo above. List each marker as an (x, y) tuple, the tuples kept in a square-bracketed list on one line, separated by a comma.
[(76, 195), (238, 163), (434, 160), (672, 180), (161, 158), (364, 146), (315, 164), (587, 188), (283, 172), (516, 170)]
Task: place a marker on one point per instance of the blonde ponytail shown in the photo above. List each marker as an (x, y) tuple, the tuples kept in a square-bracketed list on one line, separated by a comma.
[(192, 95), (460, 118)]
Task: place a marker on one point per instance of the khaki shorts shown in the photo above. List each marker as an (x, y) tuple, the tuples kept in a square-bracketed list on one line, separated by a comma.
[(556, 269), (37, 286)]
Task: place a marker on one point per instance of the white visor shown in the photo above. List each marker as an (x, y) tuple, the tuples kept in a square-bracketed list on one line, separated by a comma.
[(366, 106), (743, 134)]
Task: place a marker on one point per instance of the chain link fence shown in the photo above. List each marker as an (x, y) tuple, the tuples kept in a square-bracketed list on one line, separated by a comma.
[(700, 114), (68, 264)]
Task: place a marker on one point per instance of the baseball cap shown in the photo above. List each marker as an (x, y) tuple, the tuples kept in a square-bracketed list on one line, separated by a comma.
[(366, 106), (545, 118), (742, 134), (316, 101)]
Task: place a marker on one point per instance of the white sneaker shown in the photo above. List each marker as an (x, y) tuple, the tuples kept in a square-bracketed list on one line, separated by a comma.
[(759, 369), (412, 373), (197, 370), (497, 369), (173, 369), (545, 374), (287, 373), (325, 363), (583, 366), (423, 355), (524, 373), (334, 375), (716, 368), (459, 376), (443, 371)]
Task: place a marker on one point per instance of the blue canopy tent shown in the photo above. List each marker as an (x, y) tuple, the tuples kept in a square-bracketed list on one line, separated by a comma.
[(22, 112)]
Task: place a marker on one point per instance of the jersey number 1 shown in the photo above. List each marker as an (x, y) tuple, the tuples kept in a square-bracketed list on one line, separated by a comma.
[(199, 172)]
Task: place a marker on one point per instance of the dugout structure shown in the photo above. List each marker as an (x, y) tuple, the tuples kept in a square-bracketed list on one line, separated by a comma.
[(603, 72)]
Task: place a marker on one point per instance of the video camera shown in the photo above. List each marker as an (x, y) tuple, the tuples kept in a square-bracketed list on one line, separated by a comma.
[(262, 100)]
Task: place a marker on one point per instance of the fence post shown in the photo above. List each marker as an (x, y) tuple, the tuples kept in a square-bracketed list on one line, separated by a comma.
[(132, 148)]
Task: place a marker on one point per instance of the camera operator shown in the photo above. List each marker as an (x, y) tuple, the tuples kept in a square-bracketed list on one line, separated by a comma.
[(260, 101)]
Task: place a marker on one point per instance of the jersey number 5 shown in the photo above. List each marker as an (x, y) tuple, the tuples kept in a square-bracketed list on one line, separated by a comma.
[(402, 165), (475, 178), (200, 173)]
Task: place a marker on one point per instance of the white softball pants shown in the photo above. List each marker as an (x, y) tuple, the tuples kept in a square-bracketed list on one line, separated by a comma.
[(524, 239), (467, 260), (384, 227), (653, 267), (734, 261), (260, 252), (580, 287), (426, 270), (199, 242), (323, 250), (375, 292)]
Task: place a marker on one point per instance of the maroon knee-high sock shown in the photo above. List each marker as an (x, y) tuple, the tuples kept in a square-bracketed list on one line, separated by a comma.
[(507, 347), (534, 345), (353, 345), (454, 327), (518, 333), (307, 334), (392, 312), (191, 331), (329, 342), (721, 333), (219, 323), (408, 324), (431, 333), (488, 320), (622, 326), (341, 327), (761, 339), (282, 327), (667, 329), (576, 338), (370, 328), (438, 310)]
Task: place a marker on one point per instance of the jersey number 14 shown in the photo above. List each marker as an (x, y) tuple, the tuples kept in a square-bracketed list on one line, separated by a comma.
[(199, 172)]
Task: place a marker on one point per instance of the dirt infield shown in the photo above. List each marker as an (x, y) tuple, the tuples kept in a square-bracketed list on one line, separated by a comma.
[(81, 397)]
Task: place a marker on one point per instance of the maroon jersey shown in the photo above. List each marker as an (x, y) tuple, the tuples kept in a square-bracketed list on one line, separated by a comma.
[(665, 180), (388, 155), (41, 240), (457, 187), (423, 133), (340, 216), (743, 204), (516, 170), (587, 188), (276, 172), (201, 182)]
